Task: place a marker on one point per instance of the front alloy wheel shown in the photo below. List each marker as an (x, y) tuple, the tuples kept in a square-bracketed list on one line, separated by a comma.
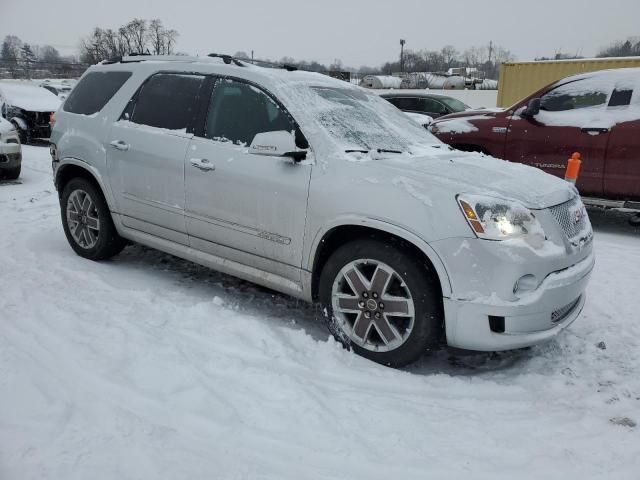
[(382, 300), (372, 305)]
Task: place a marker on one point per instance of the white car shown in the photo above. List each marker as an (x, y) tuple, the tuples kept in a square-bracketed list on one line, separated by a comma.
[(323, 190), (10, 151)]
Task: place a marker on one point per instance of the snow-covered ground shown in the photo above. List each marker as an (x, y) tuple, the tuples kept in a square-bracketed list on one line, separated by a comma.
[(150, 367)]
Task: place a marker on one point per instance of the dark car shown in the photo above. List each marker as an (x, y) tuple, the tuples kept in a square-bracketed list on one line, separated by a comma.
[(29, 108), (596, 114), (431, 104)]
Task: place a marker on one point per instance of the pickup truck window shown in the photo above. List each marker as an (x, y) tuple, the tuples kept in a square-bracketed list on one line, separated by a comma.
[(574, 95), (620, 97)]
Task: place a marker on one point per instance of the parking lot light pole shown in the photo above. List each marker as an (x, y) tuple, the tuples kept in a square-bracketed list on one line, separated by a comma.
[(402, 42)]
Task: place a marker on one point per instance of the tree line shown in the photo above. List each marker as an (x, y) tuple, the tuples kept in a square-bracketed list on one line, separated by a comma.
[(137, 36), (21, 59)]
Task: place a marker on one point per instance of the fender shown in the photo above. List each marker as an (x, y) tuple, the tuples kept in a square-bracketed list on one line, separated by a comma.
[(108, 194), (20, 123), (353, 220)]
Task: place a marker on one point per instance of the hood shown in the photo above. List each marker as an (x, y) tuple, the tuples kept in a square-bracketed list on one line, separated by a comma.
[(469, 172), (28, 97), (474, 112)]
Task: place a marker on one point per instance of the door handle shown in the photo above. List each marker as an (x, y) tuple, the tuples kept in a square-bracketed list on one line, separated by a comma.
[(202, 164), (120, 145), (594, 130)]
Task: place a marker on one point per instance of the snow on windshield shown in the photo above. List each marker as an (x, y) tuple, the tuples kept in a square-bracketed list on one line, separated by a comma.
[(358, 120)]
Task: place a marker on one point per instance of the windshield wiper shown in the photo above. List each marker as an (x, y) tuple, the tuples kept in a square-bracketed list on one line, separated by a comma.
[(379, 150)]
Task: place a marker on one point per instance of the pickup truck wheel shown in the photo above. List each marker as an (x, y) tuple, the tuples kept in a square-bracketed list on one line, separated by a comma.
[(12, 173), (87, 222), (381, 302)]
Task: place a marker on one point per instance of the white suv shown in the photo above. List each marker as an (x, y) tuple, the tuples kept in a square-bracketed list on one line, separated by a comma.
[(322, 190)]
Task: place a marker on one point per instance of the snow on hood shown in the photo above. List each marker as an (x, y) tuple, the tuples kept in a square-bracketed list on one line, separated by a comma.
[(468, 172), (29, 97), (477, 113), (420, 118), (5, 126)]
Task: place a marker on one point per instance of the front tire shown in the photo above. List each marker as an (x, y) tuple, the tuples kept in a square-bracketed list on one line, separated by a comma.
[(381, 301), (12, 173), (87, 221), (21, 133)]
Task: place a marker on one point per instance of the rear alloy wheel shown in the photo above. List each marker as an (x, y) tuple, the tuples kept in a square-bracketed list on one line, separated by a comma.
[(87, 221), (380, 302), (82, 218)]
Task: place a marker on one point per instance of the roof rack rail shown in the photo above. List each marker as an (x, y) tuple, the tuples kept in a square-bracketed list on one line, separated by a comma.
[(227, 59)]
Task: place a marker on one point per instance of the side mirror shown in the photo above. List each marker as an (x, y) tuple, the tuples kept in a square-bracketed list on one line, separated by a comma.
[(532, 109), (277, 144)]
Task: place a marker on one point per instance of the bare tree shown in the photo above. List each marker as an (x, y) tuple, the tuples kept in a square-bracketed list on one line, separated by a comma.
[(627, 48), (137, 36)]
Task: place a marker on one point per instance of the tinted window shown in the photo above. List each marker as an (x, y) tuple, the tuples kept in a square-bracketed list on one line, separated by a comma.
[(166, 100), (574, 95), (454, 104), (94, 91), (407, 103), (429, 105), (238, 111)]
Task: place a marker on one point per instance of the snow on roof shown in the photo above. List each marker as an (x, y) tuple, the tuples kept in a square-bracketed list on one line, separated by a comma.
[(29, 97)]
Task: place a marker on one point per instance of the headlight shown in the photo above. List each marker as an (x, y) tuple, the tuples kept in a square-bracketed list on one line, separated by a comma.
[(500, 219)]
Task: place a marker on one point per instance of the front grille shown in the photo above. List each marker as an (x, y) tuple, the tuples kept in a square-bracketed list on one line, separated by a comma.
[(573, 219), (563, 312)]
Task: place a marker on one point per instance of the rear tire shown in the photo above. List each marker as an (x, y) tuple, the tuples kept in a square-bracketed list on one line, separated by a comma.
[(392, 281), (87, 221)]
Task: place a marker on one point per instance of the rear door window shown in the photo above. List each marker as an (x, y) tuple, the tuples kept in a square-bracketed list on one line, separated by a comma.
[(166, 100), (93, 92), (239, 111)]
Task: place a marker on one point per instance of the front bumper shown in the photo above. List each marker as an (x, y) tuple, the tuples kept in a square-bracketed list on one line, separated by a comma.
[(532, 319), (10, 155)]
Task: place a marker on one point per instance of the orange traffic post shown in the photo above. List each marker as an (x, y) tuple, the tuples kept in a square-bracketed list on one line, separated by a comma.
[(573, 168)]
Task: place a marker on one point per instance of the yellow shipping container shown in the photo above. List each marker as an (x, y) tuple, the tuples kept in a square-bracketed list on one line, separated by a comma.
[(520, 79)]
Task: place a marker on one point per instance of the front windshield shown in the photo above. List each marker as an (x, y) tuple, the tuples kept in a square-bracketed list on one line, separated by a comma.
[(454, 104), (359, 120)]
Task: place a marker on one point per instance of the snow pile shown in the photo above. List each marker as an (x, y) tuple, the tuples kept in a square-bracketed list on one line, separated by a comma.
[(28, 96), (149, 367)]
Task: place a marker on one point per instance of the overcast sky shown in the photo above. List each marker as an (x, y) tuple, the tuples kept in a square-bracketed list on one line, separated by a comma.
[(357, 32)]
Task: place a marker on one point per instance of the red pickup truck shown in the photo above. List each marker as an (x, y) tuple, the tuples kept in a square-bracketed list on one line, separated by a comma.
[(596, 114)]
